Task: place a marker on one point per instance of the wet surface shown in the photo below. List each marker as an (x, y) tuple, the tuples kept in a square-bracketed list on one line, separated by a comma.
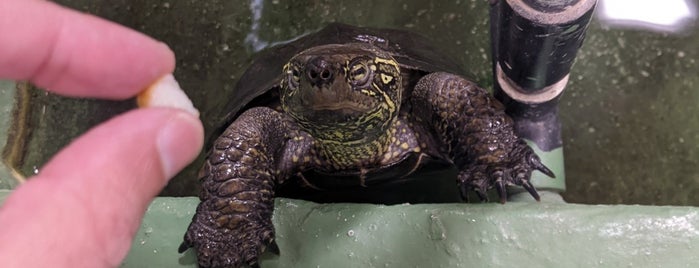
[(630, 130)]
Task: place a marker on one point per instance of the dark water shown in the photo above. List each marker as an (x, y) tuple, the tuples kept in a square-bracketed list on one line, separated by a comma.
[(630, 126)]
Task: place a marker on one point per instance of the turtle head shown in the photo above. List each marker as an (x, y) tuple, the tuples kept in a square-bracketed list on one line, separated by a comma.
[(342, 92)]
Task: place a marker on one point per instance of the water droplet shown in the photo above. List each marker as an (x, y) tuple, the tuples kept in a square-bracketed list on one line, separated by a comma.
[(350, 233), (437, 230), (373, 227)]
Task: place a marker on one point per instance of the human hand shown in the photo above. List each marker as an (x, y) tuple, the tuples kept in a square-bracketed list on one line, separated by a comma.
[(85, 205)]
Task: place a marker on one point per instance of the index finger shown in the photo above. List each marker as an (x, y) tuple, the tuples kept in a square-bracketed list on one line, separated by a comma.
[(77, 54)]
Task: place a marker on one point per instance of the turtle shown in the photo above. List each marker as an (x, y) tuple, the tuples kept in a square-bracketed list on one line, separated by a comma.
[(346, 107)]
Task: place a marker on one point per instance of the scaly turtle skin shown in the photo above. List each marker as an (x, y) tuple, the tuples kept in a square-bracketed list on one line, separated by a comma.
[(354, 109)]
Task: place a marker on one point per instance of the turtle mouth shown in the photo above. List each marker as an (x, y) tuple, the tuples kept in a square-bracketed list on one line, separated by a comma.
[(332, 106), (338, 97), (343, 106)]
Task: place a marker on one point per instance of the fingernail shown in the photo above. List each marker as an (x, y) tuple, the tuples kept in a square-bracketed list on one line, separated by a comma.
[(178, 143)]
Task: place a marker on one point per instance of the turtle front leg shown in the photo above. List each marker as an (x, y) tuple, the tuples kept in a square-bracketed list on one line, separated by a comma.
[(233, 222), (475, 133)]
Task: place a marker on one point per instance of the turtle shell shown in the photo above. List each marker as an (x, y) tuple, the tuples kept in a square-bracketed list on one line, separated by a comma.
[(411, 50)]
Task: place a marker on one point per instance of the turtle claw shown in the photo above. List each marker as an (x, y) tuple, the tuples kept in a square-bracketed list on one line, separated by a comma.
[(502, 191), (500, 184), (482, 195), (516, 170), (532, 191), (472, 181), (184, 246), (535, 163), (546, 171), (273, 248)]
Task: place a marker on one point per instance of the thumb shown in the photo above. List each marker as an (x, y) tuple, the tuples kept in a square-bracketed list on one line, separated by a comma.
[(85, 205)]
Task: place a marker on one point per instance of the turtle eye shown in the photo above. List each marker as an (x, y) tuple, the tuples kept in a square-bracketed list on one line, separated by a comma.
[(359, 73), (293, 76)]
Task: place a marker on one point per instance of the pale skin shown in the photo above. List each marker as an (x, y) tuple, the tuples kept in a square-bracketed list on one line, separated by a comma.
[(85, 205)]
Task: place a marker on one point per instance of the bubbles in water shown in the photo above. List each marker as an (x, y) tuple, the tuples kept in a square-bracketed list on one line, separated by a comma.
[(350, 233)]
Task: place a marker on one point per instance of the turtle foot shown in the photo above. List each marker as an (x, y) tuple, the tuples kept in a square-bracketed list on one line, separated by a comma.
[(229, 247), (516, 172)]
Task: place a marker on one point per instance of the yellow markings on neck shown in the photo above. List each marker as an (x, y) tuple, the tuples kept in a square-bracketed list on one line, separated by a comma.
[(286, 71), (368, 92), (386, 99), (343, 155)]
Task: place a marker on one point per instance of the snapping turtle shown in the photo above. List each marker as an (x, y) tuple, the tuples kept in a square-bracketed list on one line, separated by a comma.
[(346, 107)]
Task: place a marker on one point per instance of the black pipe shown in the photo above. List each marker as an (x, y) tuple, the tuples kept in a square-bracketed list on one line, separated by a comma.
[(534, 44)]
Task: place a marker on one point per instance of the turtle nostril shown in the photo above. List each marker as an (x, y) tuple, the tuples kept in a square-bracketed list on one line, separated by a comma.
[(319, 71), (325, 74), (313, 74)]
